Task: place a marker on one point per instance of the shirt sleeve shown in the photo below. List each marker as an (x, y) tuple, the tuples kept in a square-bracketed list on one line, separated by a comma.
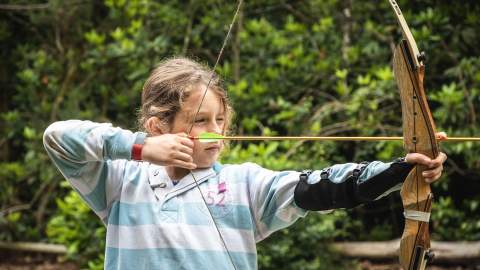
[(271, 199), (92, 157), (279, 198)]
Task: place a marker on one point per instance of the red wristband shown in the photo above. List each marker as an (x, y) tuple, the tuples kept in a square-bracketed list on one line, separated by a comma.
[(137, 151)]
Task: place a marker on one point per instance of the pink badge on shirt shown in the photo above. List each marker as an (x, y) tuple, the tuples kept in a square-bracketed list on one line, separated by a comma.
[(222, 187)]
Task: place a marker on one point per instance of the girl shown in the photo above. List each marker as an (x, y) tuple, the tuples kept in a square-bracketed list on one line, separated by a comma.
[(166, 201)]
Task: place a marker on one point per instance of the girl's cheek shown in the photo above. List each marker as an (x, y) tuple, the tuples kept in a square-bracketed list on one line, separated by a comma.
[(197, 130)]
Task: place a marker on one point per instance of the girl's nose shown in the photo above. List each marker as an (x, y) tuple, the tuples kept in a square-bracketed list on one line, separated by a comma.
[(215, 127)]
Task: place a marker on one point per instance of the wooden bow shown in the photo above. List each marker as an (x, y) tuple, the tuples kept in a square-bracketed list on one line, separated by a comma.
[(419, 137)]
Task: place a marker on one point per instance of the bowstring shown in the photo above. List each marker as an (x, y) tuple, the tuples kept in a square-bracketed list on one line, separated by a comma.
[(227, 37)]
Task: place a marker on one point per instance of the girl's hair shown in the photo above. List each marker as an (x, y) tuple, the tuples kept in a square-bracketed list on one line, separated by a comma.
[(171, 83)]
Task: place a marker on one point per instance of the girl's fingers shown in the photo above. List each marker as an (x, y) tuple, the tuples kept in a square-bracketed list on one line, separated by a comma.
[(184, 139), (182, 157), (442, 157), (186, 165), (182, 134), (416, 158), (187, 142), (186, 150), (179, 159), (438, 161), (432, 175), (432, 179), (437, 168), (435, 165), (441, 136)]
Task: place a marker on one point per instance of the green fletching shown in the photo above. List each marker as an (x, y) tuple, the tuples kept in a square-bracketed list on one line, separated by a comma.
[(210, 137)]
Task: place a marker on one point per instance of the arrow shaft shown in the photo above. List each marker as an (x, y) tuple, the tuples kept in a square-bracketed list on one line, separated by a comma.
[(324, 138)]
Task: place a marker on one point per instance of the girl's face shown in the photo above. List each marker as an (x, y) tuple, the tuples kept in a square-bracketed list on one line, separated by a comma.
[(210, 118)]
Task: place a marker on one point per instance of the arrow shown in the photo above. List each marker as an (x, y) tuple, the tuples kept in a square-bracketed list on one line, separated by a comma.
[(207, 137)]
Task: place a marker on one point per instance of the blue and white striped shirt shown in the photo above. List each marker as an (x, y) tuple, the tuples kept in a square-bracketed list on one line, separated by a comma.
[(153, 224)]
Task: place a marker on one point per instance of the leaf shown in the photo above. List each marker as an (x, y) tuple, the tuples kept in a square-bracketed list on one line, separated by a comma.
[(29, 133)]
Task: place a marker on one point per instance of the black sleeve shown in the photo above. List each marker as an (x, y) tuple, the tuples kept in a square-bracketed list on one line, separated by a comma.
[(351, 191)]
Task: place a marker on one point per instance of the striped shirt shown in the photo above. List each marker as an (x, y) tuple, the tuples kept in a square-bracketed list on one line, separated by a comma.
[(153, 224)]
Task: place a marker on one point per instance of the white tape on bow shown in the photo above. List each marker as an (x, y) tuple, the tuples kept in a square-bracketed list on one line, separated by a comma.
[(417, 215)]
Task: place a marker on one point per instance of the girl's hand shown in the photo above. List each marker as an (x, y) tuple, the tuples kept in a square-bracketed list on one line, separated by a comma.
[(441, 136), (435, 166), (169, 150)]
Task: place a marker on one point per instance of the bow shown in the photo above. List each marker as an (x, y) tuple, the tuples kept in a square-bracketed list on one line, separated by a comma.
[(419, 137)]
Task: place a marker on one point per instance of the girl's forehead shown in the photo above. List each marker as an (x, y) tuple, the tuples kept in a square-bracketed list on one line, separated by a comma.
[(189, 113), (212, 103), (197, 92), (206, 100)]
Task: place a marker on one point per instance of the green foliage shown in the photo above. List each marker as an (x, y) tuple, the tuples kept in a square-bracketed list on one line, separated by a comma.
[(290, 69), (446, 216), (75, 226), (305, 244)]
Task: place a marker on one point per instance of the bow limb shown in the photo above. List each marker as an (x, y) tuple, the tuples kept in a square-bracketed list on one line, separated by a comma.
[(419, 137)]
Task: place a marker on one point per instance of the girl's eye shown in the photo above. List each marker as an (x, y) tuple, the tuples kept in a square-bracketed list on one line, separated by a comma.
[(200, 120), (220, 119)]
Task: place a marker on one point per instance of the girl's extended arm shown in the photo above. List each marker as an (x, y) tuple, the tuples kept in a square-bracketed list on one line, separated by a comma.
[(280, 198), (349, 185)]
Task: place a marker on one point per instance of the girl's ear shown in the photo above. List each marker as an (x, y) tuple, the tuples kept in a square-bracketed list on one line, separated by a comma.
[(155, 127)]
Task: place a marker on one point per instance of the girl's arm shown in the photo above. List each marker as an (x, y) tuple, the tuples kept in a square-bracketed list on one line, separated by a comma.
[(92, 157), (278, 199), (349, 185), (271, 198)]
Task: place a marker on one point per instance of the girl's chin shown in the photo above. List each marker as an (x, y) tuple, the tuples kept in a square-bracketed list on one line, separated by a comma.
[(204, 166), (207, 164)]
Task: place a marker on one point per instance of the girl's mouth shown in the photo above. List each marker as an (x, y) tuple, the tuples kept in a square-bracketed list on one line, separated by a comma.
[(214, 147)]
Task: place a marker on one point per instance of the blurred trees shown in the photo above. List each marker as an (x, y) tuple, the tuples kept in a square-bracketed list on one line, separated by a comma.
[(296, 68)]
